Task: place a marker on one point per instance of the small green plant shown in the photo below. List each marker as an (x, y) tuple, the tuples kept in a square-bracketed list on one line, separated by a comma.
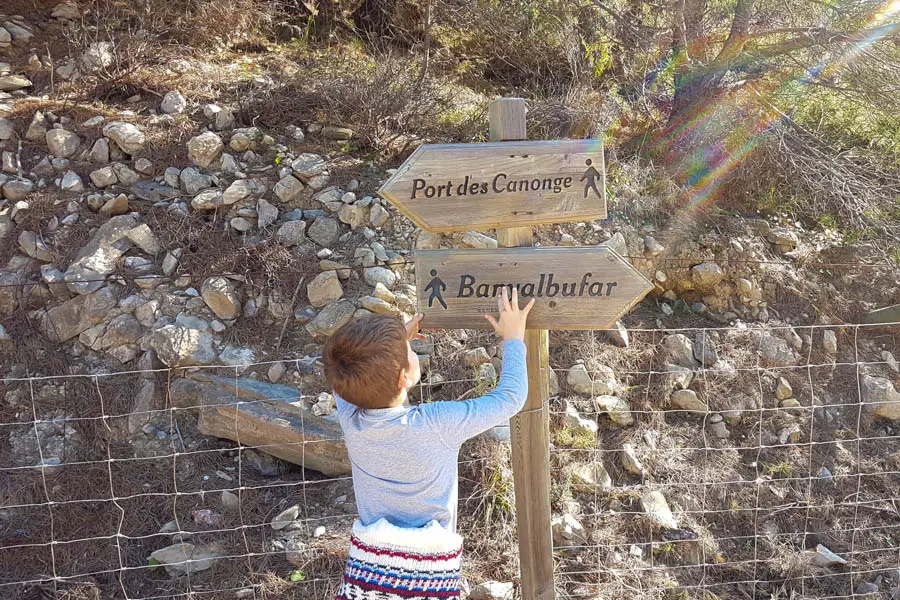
[(780, 470), (575, 439), (297, 575)]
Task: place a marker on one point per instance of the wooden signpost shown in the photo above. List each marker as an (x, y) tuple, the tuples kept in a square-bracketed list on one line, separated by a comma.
[(460, 187), (574, 288), (511, 186)]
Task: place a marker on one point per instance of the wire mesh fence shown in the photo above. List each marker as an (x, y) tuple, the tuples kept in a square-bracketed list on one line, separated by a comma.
[(731, 462)]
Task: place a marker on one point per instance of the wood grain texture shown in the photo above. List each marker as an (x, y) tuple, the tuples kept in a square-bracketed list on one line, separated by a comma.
[(575, 288), (530, 429), (460, 187)]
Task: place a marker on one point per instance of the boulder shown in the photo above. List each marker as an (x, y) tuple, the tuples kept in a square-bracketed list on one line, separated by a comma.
[(475, 357), (192, 180), (657, 509), (207, 200), (617, 409), (679, 350), (324, 231), (185, 559), (115, 206), (33, 245), (776, 351), (99, 153), (289, 188), (576, 423), (11, 83), (324, 289), (221, 297), (173, 103), (378, 216), (98, 56), (603, 383), (66, 321), (268, 416), (353, 215), (880, 398), (104, 177), (587, 477), (179, 346), (240, 189), (375, 275), (331, 318), (71, 182), (687, 400), (126, 136), (205, 149), (266, 213), (99, 257), (783, 390), (307, 166), (62, 143), (706, 275), (37, 129), (291, 233), (18, 189), (7, 129)]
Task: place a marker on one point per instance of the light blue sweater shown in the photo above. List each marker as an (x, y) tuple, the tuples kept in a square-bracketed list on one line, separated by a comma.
[(405, 458)]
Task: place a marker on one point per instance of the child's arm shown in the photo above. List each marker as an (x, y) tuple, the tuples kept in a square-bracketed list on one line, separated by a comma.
[(455, 422)]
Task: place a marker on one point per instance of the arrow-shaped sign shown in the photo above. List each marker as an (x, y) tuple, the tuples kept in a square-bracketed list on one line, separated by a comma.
[(573, 288), (459, 187)]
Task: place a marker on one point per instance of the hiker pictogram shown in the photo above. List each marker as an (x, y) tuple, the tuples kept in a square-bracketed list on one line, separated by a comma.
[(591, 175), (436, 287)]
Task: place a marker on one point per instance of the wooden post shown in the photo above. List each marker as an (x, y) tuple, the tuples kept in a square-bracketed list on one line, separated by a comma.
[(530, 430)]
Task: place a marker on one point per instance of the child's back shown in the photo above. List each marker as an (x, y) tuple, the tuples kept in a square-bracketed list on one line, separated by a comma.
[(405, 458)]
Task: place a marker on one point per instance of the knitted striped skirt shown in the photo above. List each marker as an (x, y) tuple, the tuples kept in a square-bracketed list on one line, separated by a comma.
[(390, 563)]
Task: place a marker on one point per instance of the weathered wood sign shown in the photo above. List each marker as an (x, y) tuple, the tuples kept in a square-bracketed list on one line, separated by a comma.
[(574, 288), (460, 187)]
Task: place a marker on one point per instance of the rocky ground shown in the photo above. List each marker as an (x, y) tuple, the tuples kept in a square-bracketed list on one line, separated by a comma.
[(171, 269)]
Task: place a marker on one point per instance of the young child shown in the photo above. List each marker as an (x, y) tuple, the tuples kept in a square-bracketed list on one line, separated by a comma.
[(404, 458)]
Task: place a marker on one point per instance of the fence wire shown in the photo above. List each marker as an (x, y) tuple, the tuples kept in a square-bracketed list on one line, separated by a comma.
[(758, 488)]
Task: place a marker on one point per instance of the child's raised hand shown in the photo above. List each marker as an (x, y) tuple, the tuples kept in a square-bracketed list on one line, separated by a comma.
[(412, 328), (511, 324)]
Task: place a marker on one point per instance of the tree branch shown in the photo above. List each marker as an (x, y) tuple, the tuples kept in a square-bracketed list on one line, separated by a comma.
[(822, 38), (740, 28)]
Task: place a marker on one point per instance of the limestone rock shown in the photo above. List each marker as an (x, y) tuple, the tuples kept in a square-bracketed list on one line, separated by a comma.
[(618, 335), (104, 177), (17, 189), (474, 239), (99, 257), (475, 357), (706, 275), (7, 130), (115, 206), (173, 103), (267, 213), (307, 166), (567, 531), (37, 129), (375, 275), (179, 346), (630, 461), (98, 56), (880, 398), (67, 320), (428, 241), (492, 590), (617, 409), (378, 216), (192, 180), (276, 372), (207, 200), (679, 350), (221, 297), (705, 349), (324, 231), (66, 10), (99, 153), (331, 318), (205, 149), (11, 83), (62, 143), (126, 136), (617, 244), (291, 233), (71, 182), (657, 509), (33, 245), (785, 240), (573, 420), (776, 351), (829, 342), (289, 188), (687, 400), (186, 559), (239, 190), (378, 306), (587, 477), (783, 391), (324, 289), (353, 215)]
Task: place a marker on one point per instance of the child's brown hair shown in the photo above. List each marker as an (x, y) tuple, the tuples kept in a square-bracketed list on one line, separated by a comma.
[(364, 358)]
